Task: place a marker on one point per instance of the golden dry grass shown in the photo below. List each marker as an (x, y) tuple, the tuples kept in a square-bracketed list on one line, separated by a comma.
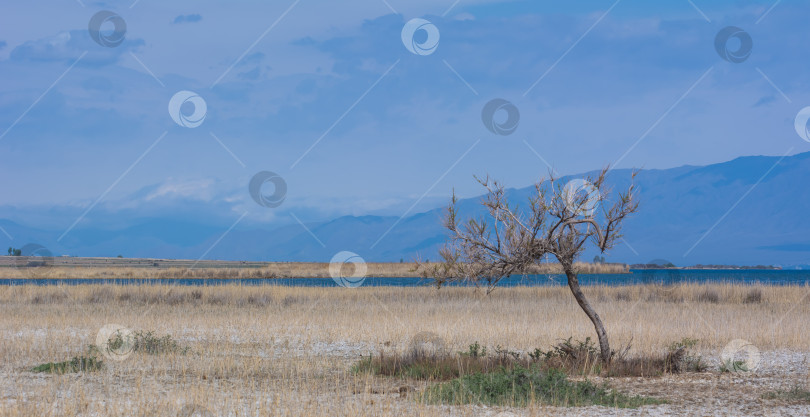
[(112, 268), (273, 350)]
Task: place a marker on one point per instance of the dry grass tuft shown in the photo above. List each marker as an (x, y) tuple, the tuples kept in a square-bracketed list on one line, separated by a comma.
[(754, 296)]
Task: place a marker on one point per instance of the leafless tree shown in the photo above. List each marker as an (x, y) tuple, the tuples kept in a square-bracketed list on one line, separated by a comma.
[(560, 221)]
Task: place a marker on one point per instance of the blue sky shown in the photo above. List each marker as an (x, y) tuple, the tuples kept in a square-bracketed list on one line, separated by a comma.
[(326, 95)]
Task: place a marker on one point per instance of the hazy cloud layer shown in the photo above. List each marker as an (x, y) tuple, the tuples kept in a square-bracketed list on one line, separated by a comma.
[(627, 91)]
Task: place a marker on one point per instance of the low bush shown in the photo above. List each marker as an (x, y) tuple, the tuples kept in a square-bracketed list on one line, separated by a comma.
[(84, 363), (521, 386), (572, 357), (754, 296), (708, 296), (146, 342), (436, 366), (731, 365), (795, 394)]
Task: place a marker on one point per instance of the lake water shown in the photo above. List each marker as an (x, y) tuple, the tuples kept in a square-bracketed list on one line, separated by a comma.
[(648, 276)]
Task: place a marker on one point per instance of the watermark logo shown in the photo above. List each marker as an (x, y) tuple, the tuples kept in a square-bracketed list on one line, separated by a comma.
[(800, 123), (33, 259), (268, 200), (420, 36), (115, 342), (107, 39), (731, 34), (740, 356), (194, 410), (497, 107), (581, 197), (340, 276), (180, 112), (427, 344)]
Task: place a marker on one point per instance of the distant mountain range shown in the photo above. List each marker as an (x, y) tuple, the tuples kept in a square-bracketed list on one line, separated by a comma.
[(748, 211)]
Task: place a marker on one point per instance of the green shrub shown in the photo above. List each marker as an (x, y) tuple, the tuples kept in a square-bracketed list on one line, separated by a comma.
[(83, 363), (796, 393), (147, 342), (475, 351), (731, 365), (144, 342), (572, 357), (519, 387)]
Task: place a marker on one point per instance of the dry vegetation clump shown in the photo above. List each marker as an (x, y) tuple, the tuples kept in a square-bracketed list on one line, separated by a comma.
[(521, 387), (576, 358), (88, 362), (708, 296), (49, 297), (754, 296), (794, 394)]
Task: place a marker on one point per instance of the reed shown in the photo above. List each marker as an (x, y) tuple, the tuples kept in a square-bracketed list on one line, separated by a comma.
[(165, 269)]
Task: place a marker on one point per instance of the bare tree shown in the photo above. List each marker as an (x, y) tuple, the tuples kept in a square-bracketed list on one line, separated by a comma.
[(560, 222)]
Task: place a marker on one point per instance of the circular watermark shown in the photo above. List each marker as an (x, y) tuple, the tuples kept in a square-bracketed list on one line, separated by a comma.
[(33, 259), (427, 344), (420, 36), (731, 34), (115, 342), (268, 200), (581, 197), (357, 276), (740, 356), (800, 124), (106, 38), (180, 112), (194, 410), (500, 127)]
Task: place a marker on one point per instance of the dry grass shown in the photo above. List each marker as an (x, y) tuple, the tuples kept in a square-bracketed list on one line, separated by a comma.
[(273, 350), (111, 268)]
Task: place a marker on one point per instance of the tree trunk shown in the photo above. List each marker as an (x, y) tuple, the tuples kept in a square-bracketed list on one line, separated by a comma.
[(604, 345)]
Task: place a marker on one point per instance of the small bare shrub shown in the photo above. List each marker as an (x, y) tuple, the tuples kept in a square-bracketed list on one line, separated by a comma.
[(100, 295), (624, 296), (708, 296), (172, 298), (258, 300), (754, 296), (51, 297), (217, 299)]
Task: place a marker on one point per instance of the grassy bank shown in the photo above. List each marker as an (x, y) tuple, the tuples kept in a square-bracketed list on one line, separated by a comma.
[(60, 268)]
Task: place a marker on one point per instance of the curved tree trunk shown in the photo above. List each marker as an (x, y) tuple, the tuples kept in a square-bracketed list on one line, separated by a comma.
[(604, 345)]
